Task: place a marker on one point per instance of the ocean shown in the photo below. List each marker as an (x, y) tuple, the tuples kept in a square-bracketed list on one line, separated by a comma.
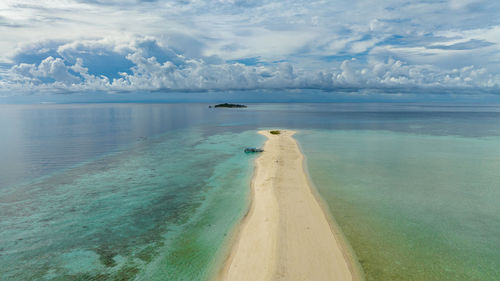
[(153, 191)]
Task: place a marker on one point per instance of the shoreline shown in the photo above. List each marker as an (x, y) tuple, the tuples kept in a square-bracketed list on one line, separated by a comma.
[(349, 253), (286, 234)]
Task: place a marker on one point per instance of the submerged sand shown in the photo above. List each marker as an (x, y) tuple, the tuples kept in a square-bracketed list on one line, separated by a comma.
[(286, 235)]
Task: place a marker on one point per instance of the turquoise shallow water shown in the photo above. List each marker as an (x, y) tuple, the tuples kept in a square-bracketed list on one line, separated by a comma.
[(151, 191), (413, 207), (159, 210)]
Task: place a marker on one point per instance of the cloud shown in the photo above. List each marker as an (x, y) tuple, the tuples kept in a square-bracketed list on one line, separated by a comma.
[(468, 45), (93, 45), (50, 68), (158, 68)]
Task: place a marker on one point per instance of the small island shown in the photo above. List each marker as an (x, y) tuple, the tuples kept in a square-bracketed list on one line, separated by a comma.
[(229, 105)]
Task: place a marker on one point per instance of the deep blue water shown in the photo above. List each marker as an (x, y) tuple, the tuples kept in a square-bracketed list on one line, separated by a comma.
[(36, 140)]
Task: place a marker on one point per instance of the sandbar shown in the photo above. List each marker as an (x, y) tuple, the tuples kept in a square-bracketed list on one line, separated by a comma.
[(286, 234)]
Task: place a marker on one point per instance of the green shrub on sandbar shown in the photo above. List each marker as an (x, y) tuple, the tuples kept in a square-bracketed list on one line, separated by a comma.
[(275, 132)]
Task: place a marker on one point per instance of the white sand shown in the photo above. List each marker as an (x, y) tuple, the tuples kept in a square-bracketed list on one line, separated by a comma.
[(286, 235)]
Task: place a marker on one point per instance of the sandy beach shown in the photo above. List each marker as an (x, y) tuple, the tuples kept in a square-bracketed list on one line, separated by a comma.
[(286, 234)]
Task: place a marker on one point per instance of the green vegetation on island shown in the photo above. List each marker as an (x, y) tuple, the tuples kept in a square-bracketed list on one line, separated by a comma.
[(275, 132), (230, 105)]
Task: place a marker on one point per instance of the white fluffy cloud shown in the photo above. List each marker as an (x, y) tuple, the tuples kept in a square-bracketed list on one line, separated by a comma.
[(49, 68), (393, 46), (178, 73)]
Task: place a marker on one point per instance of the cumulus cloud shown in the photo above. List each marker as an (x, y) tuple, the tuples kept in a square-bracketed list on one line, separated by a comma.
[(82, 45), (175, 72), (49, 68)]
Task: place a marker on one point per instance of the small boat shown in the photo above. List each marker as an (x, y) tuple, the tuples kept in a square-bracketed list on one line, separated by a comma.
[(253, 150)]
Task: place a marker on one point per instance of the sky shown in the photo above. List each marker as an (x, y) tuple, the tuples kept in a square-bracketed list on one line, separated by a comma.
[(375, 47)]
